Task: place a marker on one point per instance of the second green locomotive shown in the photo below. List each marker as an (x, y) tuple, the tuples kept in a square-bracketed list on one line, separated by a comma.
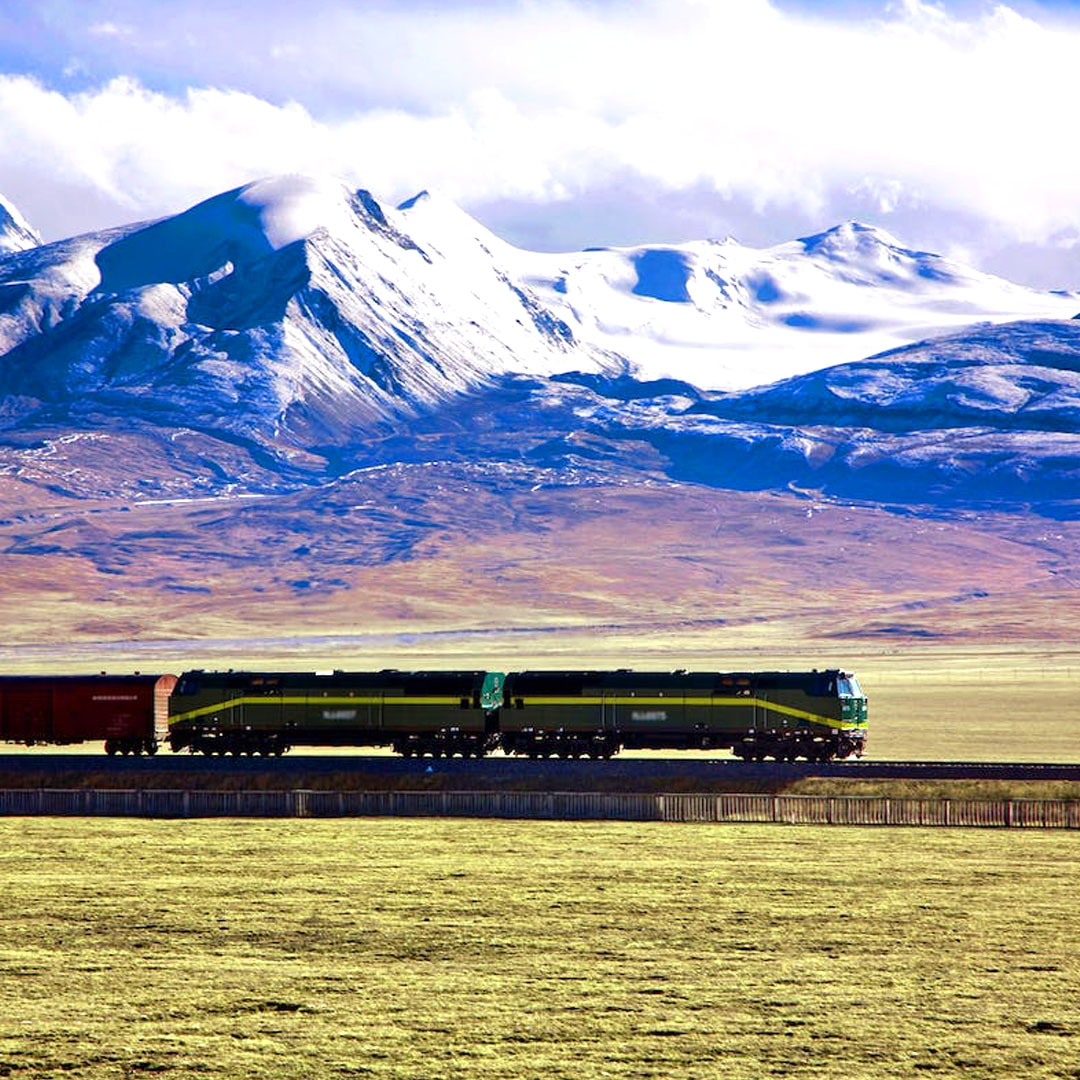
[(784, 715)]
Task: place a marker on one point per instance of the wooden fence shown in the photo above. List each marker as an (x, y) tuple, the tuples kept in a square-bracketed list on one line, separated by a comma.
[(775, 809)]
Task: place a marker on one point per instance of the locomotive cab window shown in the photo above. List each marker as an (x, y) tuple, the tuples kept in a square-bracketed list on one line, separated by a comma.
[(848, 686), (187, 686)]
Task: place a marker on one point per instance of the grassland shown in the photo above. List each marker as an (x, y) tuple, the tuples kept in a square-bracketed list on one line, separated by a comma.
[(423, 949)]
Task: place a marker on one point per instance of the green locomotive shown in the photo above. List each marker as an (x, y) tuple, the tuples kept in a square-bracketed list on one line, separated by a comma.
[(785, 715), (415, 712)]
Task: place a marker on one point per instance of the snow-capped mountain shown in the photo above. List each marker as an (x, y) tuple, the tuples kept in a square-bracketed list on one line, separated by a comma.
[(306, 304), (16, 233), (288, 308), (988, 418), (723, 316), (295, 328), (1020, 376)]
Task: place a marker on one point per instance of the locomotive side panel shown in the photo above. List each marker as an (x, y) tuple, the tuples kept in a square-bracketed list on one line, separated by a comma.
[(565, 713), (269, 712), (783, 715)]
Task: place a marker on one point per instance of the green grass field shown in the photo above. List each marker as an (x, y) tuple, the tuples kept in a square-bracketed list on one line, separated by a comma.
[(440, 948)]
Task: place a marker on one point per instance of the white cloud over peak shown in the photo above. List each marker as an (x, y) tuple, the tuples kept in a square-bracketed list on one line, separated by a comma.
[(914, 113)]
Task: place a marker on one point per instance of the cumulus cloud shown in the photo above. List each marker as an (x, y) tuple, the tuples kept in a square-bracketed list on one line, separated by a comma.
[(913, 113)]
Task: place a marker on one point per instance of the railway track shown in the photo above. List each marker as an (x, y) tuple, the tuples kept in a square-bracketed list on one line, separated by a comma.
[(628, 773)]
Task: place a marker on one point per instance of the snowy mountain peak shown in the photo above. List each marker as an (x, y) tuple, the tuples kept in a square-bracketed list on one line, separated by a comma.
[(850, 238), (875, 254), (16, 233), (292, 308), (237, 228), (433, 219), (293, 207)]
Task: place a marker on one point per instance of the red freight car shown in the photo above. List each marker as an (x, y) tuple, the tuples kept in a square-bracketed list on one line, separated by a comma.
[(129, 712)]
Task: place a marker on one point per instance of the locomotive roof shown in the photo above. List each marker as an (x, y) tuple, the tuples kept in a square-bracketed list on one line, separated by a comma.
[(691, 680), (367, 679)]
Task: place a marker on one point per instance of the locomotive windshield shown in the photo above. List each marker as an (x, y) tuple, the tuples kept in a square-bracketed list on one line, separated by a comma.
[(848, 686)]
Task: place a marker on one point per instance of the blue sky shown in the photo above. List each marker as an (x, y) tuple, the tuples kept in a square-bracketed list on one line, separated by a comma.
[(567, 123)]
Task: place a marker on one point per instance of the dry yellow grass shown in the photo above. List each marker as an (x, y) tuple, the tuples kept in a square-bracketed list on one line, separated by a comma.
[(409, 950)]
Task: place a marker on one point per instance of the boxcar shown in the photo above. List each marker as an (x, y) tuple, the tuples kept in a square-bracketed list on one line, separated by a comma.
[(784, 715), (436, 712), (128, 712)]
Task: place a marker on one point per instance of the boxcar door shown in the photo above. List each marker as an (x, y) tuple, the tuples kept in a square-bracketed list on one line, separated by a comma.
[(27, 715)]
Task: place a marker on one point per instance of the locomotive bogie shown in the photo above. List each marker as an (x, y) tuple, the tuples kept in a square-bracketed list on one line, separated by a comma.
[(446, 743), (560, 742)]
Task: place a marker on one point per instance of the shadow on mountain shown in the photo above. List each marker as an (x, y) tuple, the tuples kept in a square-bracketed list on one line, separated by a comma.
[(662, 275)]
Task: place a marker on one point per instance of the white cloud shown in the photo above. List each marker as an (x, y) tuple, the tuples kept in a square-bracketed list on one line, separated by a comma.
[(110, 29), (916, 111)]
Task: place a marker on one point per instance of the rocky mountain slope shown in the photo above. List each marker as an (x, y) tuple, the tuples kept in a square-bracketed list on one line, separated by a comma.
[(16, 233)]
